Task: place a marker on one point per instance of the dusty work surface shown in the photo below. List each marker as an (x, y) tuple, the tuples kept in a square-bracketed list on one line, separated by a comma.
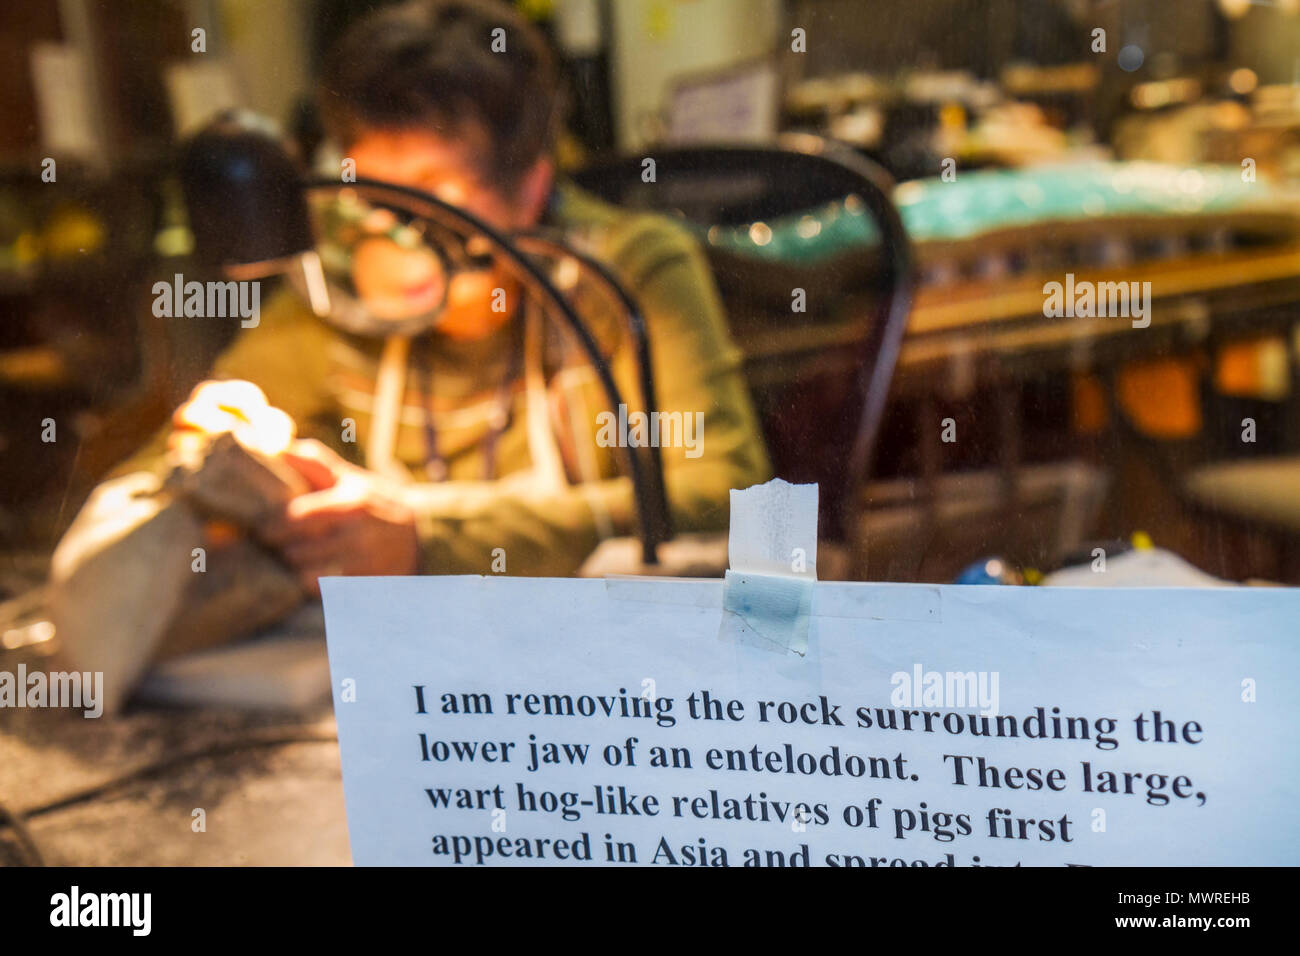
[(268, 785)]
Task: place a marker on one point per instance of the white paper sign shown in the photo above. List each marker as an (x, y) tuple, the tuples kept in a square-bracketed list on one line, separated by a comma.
[(515, 721)]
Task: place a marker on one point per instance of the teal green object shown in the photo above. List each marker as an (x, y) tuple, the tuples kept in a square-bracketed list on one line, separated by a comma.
[(979, 202)]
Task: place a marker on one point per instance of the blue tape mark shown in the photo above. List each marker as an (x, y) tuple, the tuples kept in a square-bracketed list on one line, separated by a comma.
[(767, 611)]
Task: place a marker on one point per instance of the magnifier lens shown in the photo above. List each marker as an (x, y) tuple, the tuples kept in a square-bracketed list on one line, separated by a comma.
[(386, 276), (397, 280)]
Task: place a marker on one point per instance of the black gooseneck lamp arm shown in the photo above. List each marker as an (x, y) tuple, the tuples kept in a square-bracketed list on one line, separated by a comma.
[(546, 244)]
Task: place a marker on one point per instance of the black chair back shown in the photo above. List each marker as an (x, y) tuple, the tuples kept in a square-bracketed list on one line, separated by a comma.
[(821, 420)]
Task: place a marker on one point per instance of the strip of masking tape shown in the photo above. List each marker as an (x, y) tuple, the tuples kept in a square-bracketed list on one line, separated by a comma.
[(772, 550), (888, 603)]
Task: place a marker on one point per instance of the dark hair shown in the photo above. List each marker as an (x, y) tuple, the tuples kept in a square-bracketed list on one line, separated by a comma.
[(431, 63)]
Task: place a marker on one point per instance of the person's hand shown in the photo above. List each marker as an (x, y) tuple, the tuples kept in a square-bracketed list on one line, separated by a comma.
[(352, 522)]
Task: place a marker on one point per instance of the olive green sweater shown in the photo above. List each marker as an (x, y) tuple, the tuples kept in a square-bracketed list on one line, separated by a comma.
[(325, 379)]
